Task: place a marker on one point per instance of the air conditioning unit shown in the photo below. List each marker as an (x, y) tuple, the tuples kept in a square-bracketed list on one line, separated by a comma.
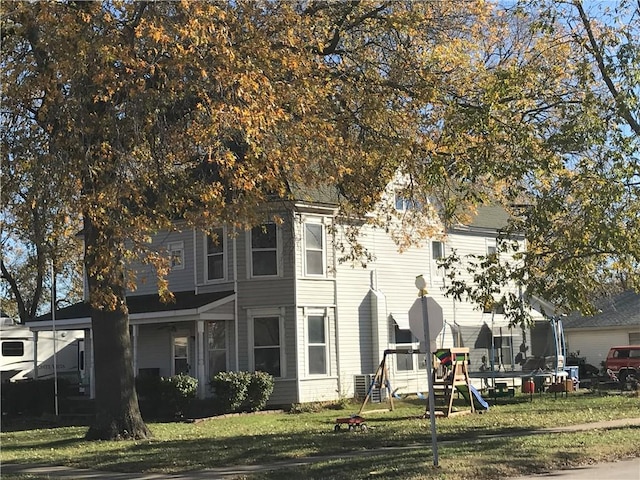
[(362, 383)]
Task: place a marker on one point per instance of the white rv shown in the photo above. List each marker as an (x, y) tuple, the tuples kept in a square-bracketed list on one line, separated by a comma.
[(28, 355)]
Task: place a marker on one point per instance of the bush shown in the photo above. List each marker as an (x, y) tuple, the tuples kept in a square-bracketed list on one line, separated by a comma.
[(241, 391), (259, 391), (165, 397), (177, 393), (230, 390)]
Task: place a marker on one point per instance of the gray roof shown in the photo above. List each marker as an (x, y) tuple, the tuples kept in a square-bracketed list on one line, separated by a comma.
[(493, 217), (144, 304), (621, 310)]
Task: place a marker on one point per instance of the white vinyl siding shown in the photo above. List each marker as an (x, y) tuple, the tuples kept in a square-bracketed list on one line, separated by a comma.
[(594, 344)]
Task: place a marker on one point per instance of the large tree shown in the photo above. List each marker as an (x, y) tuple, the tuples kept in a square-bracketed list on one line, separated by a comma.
[(207, 110)]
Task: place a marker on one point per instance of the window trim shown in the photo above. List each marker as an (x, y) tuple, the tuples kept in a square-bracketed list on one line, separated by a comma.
[(174, 247), (438, 272), (278, 250), (403, 204), (223, 253), (252, 314), (323, 250), (9, 342), (317, 312)]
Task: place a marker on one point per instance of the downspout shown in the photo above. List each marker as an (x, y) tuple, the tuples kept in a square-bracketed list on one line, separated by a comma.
[(297, 245), (134, 341), (336, 316), (195, 263)]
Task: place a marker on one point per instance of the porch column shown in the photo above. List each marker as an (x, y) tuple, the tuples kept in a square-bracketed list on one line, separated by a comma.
[(200, 354)]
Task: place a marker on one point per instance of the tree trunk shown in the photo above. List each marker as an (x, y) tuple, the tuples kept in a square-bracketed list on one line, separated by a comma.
[(117, 411)]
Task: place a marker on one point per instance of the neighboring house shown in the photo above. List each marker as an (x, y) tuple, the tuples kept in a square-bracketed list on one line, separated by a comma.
[(277, 298), (618, 323)]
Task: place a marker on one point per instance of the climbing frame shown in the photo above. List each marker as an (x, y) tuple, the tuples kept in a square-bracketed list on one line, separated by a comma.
[(449, 371)]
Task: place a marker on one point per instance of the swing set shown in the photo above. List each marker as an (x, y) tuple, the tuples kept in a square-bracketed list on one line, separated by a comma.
[(449, 373)]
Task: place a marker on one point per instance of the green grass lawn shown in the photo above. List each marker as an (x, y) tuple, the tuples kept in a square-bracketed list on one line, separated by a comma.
[(271, 437)]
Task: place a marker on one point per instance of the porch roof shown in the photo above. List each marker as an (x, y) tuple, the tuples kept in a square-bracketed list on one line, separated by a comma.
[(145, 304)]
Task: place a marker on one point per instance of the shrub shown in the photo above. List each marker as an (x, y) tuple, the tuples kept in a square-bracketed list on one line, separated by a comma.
[(241, 391), (177, 393), (230, 390), (165, 397), (149, 390), (259, 391)]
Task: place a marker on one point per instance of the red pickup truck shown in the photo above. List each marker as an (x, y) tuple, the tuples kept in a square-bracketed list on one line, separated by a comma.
[(624, 361)]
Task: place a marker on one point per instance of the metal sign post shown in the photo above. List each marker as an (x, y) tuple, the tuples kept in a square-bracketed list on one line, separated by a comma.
[(55, 338), (421, 285)]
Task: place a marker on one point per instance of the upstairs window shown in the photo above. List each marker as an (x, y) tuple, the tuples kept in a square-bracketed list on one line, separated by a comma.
[(264, 250), (404, 204), (314, 247), (215, 255), (176, 255), (437, 253), (437, 250)]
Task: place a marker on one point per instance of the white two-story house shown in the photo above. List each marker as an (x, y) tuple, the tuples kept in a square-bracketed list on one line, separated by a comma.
[(278, 298)]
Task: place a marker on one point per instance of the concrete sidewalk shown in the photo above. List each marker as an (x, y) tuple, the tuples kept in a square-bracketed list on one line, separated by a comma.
[(621, 470), (627, 469)]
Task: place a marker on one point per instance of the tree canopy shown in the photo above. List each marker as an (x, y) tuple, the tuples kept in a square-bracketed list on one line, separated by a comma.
[(144, 112)]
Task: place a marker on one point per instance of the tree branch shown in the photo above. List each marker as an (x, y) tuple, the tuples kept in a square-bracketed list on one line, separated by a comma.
[(596, 51), (22, 311)]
